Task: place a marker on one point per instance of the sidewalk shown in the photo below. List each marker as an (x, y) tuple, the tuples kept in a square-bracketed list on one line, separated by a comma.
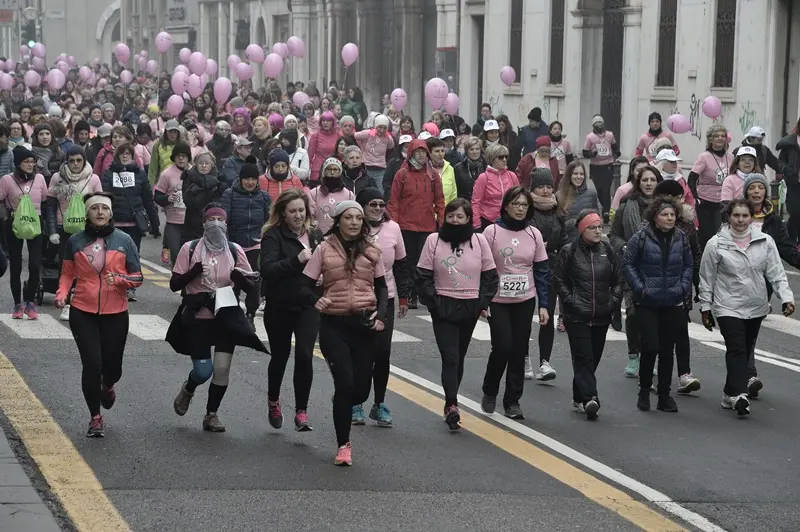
[(21, 509)]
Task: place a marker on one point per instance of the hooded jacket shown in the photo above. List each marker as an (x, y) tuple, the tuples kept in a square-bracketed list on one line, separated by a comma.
[(416, 201)]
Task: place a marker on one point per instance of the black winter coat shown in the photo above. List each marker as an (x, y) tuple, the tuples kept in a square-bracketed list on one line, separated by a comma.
[(247, 214), (790, 156), (465, 179), (198, 191), (222, 148), (589, 282), (551, 225), (359, 182), (388, 176), (282, 272), (776, 228), (132, 193)]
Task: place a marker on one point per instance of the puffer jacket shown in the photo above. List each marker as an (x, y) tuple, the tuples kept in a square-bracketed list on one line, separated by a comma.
[(487, 195), (350, 290), (132, 193), (198, 191), (733, 281), (449, 189), (659, 271), (466, 175), (359, 181), (247, 214), (790, 157), (551, 226), (282, 272), (589, 282), (585, 198), (230, 169), (416, 202)]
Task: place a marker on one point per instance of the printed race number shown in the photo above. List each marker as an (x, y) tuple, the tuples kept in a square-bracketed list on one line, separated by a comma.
[(513, 285), (603, 150)]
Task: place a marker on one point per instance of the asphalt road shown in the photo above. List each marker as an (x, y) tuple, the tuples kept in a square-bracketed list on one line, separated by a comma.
[(553, 471)]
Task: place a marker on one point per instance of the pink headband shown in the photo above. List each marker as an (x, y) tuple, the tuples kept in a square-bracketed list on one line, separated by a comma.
[(215, 211), (589, 220)]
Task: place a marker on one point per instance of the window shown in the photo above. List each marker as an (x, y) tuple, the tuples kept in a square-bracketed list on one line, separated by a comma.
[(515, 42), (667, 26), (557, 14), (725, 41)]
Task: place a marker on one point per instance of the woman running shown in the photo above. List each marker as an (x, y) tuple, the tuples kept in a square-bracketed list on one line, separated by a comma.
[(103, 264)]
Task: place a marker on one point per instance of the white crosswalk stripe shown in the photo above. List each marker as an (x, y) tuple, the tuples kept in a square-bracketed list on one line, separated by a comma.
[(148, 326), (45, 328)]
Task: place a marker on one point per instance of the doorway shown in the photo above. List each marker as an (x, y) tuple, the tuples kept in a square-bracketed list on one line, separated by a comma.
[(611, 81), (478, 24)]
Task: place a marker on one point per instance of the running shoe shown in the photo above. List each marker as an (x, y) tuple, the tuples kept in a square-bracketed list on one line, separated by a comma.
[(578, 407), (643, 403), (107, 396), (560, 325), (591, 407), (545, 372), (452, 418), (688, 383), (754, 386), (64, 313), (301, 423), (514, 412), (165, 257), (19, 310), (183, 400), (132, 295), (726, 402), (489, 403), (632, 369), (666, 403), (211, 423), (528, 368), (381, 414), (30, 311), (274, 413), (96, 427), (616, 320), (358, 416), (741, 404), (344, 456)]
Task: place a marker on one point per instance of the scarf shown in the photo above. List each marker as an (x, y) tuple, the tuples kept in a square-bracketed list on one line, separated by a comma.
[(43, 155), (544, 203), (440, 164), (632, 214), (353, 173), (23, 176), (331, 184), (96, 123), (507, 222), (455, 235), (277, 177), (655, 132), (555, 138), (475, 167), (739, 236), (416, 165), (375, 223), (70, 183), (215, 235), (85, 173), (99, 232)]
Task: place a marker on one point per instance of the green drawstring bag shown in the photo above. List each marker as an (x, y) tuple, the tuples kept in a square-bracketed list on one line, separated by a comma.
[(75, 217), (26, 224)]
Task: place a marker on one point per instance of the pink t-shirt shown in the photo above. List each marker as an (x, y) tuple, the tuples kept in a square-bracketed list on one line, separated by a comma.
[(325, 205), (144, 152), (602, 145), (622, 190), (390, 239), (732, 187), (712, 171), (560, 150), (457, 275), (515, 253), (11, 189), (373, 147), (647, 144), (63, 190), (220, 264), (170, 183)]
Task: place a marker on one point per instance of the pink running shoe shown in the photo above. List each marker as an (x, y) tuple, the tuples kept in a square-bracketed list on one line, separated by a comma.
[(274, 413), (30, 311), (301, 423), (96, 428), (18, 312), (344, 457), (107, 396)]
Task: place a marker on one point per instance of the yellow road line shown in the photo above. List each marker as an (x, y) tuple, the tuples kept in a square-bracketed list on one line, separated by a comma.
[(69, 476)]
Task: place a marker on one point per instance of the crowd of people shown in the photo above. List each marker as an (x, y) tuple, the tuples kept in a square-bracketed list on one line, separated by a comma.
[(333, 221)]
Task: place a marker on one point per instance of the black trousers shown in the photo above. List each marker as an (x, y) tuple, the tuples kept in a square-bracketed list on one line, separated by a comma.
[(631, 326), (280, 324), (101, 343), (793, 226), (603, 177), (511, 332), (710, 220), (349, 350), (662, 326), (133, 232), (414, 242), (453, 339), (547, 333), (380, 371), (586, 344), (682, 346), (740, 340), (35, 249)]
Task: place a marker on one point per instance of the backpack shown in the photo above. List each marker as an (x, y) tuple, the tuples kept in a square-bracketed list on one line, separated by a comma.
[(231, 248), (27, 224)]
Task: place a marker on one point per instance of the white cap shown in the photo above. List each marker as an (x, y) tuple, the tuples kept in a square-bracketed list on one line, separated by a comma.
[(405, 139), (746, 150), (491, 125), (446, 133), (667, 155), (756, 131), (381, 120), (424, 135)]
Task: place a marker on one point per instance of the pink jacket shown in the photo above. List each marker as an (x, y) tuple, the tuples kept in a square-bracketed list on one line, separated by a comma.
[(488, 192), (321, 146), (374, 148)]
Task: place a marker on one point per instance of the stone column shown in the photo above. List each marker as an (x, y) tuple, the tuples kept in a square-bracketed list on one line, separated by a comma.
[(370, 41), (408, 14), (630, 125), (301, 27)]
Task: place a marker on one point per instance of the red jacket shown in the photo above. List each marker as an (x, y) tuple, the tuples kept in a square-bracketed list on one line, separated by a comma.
[(416, 201), (526, 166)]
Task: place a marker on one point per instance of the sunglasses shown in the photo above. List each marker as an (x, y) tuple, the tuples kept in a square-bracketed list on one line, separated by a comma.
[(75, 160), (502, 157), (377, 204)]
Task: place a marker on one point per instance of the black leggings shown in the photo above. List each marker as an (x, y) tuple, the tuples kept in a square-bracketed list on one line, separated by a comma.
[(349, 349), (511, 332), (793, 227), (453, 339), (280, 323), (380, 371), (202, 335), (35, 248), (710, 220), (547, 333), (602, 176), (586, 344), (414, 242), (101, 342)]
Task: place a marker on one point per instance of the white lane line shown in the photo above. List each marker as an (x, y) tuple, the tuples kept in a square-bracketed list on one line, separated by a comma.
[(656, 497), (156, 267), (148, 326), (780, 323), (45, 328), (481, 332), (401, 337), (764, 356)]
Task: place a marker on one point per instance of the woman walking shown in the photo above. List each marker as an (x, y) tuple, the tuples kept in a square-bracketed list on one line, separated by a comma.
[(103, 264), (330, 192), (202, 184), (706, 178), (491, 186)]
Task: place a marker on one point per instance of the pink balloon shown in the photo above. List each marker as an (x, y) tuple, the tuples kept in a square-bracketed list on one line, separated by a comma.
[(451, 104), (184, 55), (508, 75), (152, 67), (436, 92), (233, 60), (273, 65), (181, 68), (712, 107), (145, 54), (71, 61), (63, 67), (38, 63), (56, 79), (6, 81), (122, 52), (163, 42), (175, 105), (211, 67), (300, 99), (222, 90), (281, 49), (39, 50), (95, 61), (349, 54), (85, 73), (24, 50), (244, 71), (126, 77), (92, 79), (296, 46), (136, 58), (142, 63), (32, 79), (730, 137), (399, 99), (197, 63), (180, 82), (61, 57), (254, 53), (679, 124), (3, 66), (11, 65), (204, 79), (102, 83), (194, 86)]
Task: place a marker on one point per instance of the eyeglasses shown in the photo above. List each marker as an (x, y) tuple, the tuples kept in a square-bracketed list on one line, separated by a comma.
[(76, 160), (519, 205), (502, 157), (595, 228), (204, 163), (377, 204)]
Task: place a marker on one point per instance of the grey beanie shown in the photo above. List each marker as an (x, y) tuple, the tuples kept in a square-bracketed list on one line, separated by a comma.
[(755, 178), (347, 204), (540, 177)]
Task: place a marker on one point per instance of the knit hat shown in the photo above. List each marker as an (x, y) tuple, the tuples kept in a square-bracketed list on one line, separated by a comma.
[(347, 204), (289, 134), (75, 149), (535, 114), (543, 142), (55, 112), (332, 161), (598, 119), (107, 105), (755, 178), (540, 177), (81, 125), (368, 194), (249, 169), (381, 120), (21, 153), (289, 118), (172, 125), (104, 131), (653, 116), (278, 156), (181, 148), (669, 187)]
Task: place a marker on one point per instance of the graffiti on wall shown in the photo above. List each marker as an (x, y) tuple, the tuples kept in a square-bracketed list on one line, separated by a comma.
[(695, 117), (747, 118)]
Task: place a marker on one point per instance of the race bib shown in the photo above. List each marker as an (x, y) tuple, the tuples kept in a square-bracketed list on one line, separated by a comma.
[(179, 204), (558, 153), (721, 175), (603, 150), (513, 285), (123, 179)]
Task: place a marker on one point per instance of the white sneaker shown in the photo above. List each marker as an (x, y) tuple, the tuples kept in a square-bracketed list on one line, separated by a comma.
[(261, 306), (545, 372), (754, 386), (528, 368), (726, 402), (688, 383), (65, 313), (740, 403), (578, 407)]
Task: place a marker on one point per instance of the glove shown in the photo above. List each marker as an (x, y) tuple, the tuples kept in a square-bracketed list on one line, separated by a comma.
[(241, 282), (708, 320), (788, 309), (196, 269), (55, 239)]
